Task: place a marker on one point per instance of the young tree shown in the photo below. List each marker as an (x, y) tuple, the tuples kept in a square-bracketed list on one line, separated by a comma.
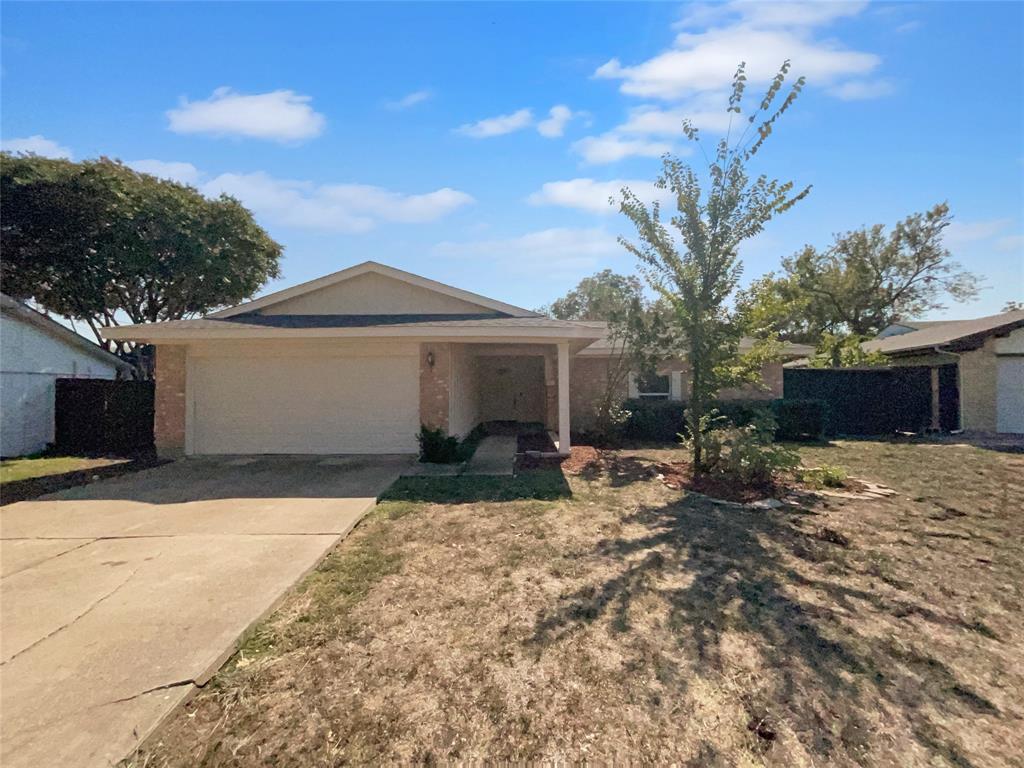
[(839, 351), (98, 242), (865, 281), (715, 214)]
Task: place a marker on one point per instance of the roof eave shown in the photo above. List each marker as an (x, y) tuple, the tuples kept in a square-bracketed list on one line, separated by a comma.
[(156, 333)]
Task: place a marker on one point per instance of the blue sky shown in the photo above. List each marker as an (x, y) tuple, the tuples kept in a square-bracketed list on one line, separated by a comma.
[(476, 144)]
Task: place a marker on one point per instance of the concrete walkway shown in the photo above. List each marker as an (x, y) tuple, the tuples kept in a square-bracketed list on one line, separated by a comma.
[(496, 455), (119, 598)]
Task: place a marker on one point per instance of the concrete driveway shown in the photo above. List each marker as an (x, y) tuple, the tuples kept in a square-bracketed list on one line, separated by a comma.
[(118, 598)]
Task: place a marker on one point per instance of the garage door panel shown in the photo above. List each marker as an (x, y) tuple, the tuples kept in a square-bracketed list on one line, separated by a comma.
[(1010, 394), (357, 404)]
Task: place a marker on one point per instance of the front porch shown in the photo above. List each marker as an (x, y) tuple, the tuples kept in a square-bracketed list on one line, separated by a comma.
[(466, 384)]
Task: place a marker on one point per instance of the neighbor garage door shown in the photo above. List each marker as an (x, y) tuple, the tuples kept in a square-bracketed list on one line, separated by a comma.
[(1010, 394), (356, 403)]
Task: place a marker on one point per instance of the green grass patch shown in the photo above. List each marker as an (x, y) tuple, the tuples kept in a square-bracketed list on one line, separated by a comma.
[(330, 592), (542, 484), (13, 470), (825, 476)]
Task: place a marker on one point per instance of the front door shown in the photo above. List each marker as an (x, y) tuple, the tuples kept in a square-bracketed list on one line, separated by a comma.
[(512, 388)]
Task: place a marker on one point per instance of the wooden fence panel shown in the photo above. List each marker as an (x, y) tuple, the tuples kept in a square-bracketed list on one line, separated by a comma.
[(102, 416)]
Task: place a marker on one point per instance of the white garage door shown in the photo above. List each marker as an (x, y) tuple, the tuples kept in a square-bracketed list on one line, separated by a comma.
[(305, 404), (1010, 395)]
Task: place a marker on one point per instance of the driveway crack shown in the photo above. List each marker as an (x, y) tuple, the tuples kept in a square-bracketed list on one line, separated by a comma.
[(154, 689), (83, 614), (85, 543)]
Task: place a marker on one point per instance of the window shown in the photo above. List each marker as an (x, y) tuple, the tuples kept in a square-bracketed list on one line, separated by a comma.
[(652, 386)]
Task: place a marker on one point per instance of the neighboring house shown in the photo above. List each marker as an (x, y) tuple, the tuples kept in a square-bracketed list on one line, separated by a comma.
[(908, 326), (987, 355), (356, 361), (35, 351)]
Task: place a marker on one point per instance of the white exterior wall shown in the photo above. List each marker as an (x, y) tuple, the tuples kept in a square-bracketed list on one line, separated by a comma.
[(465, 391), (31, 360)]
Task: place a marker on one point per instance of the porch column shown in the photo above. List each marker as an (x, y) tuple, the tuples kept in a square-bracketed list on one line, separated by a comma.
[(563, 397)]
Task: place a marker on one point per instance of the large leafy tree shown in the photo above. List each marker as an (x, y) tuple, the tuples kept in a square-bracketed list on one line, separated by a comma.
[(864, 281), (599, 297), (696, 268), (637, 334), (103, 244)]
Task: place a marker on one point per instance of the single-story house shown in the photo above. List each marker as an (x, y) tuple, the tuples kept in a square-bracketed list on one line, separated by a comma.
[(357, 361), (35, 351), (987, 356)]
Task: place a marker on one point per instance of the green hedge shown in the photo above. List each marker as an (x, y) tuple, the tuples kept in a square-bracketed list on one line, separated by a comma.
[(662, 420)]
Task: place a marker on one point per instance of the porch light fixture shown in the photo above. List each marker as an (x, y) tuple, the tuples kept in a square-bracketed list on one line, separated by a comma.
[(430, 359)]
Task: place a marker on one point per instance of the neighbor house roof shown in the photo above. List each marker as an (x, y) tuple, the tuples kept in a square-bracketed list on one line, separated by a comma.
[(14, 308), (380, 269), (955, 334), (908, 326)]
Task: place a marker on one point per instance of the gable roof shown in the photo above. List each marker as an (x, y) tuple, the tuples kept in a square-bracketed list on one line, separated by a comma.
[(965, 334), (48, 325), (380, 269)]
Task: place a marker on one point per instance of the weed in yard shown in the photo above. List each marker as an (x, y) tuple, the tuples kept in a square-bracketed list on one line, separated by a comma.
[(631, 623)]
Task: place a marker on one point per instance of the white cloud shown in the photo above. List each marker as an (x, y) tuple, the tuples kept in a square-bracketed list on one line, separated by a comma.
[(557, 248), (857, 90), (761, 34), (278, 116), (611, 147), (333, 207), (960, 233), (775, 14), (186, 173), (554, 126), (497, 126), (1013, 243), (594, 196), (411, 99), (656, 121), (37, 145)]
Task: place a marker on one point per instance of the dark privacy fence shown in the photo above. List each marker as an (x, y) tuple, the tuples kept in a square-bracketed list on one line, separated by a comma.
[(877, 401), (101, 416)]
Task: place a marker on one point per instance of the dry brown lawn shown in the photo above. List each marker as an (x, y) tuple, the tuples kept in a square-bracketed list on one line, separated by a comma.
[(630, 622)]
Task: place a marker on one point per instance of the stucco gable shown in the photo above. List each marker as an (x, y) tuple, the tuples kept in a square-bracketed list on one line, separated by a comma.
[(372, 288), (373, 294)]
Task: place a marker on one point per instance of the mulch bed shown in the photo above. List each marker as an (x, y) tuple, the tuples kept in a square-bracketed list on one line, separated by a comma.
[(679, 476), (34, 487)]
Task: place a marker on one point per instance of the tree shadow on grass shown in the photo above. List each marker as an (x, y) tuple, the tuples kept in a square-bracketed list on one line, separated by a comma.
[(824, 676), (547, 484)]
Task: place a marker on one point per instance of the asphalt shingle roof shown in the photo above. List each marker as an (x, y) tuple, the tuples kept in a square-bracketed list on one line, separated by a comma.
[(947, 333)]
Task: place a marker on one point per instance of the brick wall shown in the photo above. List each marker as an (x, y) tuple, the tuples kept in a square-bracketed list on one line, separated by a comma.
[(435, 385), (551, 389), (169, 407), (588, 378), (590, 374)]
